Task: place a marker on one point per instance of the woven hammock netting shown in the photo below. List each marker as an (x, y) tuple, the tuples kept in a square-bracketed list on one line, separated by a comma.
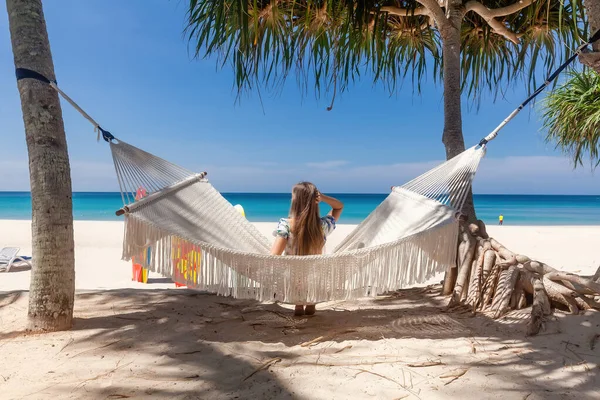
[(183, 228)]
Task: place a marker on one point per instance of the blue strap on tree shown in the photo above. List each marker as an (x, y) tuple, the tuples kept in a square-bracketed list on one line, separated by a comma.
[(106, 135), (25, 73)]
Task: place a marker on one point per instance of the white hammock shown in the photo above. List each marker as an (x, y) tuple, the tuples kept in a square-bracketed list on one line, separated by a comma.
[(185, 222)]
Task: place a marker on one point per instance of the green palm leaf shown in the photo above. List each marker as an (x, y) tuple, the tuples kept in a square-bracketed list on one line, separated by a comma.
[(328, 44), (571, 114)]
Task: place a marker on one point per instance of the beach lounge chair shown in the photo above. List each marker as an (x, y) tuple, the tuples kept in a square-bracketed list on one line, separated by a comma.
[(8, 257)]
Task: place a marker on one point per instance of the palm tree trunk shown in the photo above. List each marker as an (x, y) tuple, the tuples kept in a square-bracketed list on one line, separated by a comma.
[(52, 285), (592, 59), (452, 136)]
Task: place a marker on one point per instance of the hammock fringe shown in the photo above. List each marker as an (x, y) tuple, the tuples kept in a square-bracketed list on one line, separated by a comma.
[(291, 279)]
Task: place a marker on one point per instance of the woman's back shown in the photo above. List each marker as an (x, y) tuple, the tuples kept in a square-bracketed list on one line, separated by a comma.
[(304, 232), (285, 231)]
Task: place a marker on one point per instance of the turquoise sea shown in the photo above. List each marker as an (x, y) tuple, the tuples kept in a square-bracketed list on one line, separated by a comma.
[(267, 207)]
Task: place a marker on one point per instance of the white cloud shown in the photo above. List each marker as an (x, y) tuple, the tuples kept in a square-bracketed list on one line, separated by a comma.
[(534, 175), (14, 175), (86, 176), (510, 175), (327, 164)]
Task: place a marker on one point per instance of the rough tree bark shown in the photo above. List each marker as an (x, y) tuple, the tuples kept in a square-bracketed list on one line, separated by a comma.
[(52, 286), (592, 59), (452, 136), (501, 281), (450, 34)]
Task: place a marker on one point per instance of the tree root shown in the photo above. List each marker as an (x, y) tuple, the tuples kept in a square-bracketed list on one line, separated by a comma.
[(584, 283), (491, 278), (540, 307), (476, 276), (506, 291), (465, 257)]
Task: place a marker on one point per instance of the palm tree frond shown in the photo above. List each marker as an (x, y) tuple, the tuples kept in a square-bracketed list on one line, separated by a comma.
[(329, 44), (571, 116)]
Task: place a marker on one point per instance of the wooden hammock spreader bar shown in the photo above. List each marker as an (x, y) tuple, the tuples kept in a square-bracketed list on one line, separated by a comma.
[(161, 193)]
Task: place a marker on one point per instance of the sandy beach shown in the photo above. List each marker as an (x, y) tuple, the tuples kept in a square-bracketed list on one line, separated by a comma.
[(134, 340), (99, 266)]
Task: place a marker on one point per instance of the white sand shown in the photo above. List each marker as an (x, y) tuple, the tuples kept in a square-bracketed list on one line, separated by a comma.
[(181, 344), (99, 266), (98, 262)]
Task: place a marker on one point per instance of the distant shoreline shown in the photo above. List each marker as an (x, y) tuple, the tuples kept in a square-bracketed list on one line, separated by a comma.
[(341, 223), (518, 210), (333, 193)]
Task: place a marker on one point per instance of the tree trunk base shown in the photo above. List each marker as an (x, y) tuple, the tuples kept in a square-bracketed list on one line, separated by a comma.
[(39, 324), (492, 279)]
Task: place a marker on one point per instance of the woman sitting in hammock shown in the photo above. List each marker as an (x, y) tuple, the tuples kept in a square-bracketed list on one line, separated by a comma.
[(304, 232)]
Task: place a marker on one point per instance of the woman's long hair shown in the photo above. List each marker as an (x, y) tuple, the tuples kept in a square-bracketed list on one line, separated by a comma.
[(307, 232)]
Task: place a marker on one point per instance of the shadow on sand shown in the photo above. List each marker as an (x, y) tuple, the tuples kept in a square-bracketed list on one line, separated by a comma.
[(202, 344)]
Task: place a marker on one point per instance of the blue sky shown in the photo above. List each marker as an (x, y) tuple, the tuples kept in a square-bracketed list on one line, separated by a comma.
[(128, 64)]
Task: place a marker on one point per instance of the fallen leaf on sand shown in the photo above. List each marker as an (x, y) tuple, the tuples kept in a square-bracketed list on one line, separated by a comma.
[(326, 337), (343, 348), (265, 365), (426, 364), (454, 375)]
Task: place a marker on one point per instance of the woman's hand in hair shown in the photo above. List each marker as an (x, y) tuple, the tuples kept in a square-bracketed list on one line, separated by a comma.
[(336, 205)]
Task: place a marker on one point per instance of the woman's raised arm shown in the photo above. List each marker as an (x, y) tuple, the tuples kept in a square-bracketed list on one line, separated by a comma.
[(336, 205)]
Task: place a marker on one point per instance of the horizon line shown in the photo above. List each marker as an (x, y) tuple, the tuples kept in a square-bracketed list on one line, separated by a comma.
[(334, 192)]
